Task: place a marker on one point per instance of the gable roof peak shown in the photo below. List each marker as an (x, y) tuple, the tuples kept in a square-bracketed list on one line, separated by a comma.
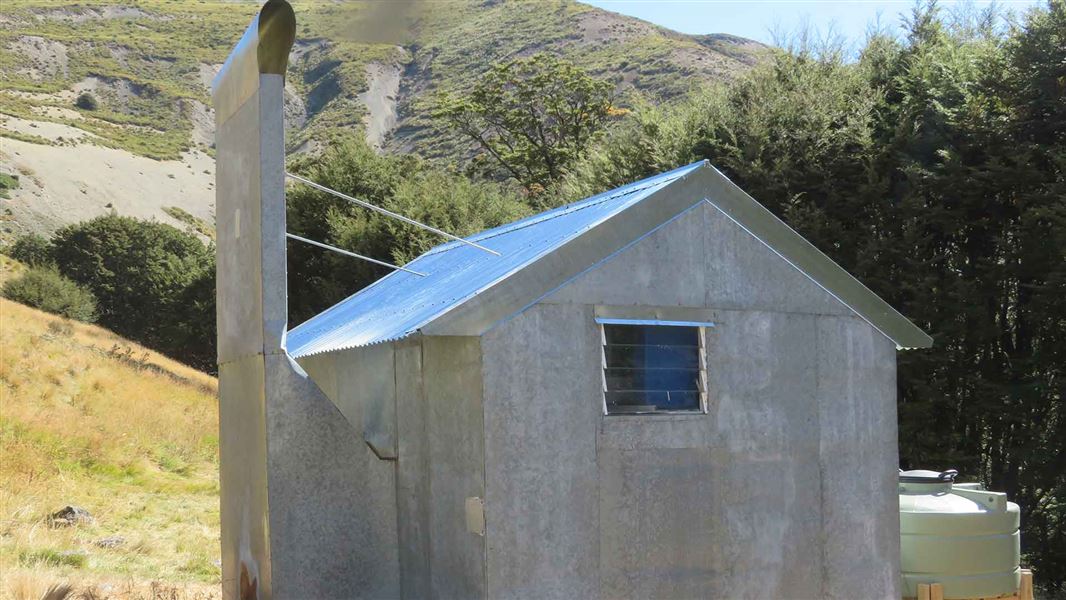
[(452, 297)]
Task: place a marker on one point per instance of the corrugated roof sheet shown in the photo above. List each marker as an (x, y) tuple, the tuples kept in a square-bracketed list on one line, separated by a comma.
[(399, 304)]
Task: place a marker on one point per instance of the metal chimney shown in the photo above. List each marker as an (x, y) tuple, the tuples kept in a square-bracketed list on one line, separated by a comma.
[(286, 489)]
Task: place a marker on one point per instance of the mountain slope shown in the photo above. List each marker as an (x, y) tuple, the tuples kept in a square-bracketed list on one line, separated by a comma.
[(448, 45), (90, 419), (133, 78)]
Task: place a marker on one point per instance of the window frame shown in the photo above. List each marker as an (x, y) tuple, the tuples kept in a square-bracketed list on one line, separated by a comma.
[(701, 335)]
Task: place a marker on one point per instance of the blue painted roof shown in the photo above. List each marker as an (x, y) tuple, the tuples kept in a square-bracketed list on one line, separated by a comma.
[(399, 304)]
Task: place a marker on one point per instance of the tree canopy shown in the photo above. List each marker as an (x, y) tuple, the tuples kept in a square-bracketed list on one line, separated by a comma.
[(142, 274), (403, 184), (533, 116)]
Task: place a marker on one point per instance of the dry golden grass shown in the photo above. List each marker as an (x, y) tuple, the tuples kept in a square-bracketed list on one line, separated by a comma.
[(33, 585), (90, 419)]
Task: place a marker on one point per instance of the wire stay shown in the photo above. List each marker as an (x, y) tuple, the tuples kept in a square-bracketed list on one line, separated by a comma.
[(352, 254), (389, 213)]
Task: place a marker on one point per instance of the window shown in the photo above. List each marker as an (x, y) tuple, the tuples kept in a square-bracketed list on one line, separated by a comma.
[(653, 367)]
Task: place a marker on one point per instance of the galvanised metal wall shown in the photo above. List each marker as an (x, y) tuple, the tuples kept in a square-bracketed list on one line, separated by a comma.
[(784, 489)]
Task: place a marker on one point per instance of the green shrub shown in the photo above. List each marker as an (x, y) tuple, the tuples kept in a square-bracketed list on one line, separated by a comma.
[(404, 184), (8, 183), (449, 202), (86, 101), (32, 250), (46, 289)]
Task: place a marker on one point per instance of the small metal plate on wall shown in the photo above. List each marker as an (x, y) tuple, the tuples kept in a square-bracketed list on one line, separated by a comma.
[(475, 516)]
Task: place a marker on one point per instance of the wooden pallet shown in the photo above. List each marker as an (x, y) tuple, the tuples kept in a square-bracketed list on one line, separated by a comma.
[(935, 591)]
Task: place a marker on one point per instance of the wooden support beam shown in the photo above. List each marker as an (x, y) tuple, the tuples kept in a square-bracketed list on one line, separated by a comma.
[(1025, 591), (935, 591)]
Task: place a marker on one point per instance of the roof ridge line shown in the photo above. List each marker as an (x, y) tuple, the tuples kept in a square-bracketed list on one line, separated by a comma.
[(566, 209)]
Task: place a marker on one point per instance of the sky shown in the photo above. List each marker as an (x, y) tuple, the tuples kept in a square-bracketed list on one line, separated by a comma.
[(758, 19)]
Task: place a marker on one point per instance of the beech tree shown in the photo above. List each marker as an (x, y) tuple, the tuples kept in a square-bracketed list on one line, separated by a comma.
[(142, 274), (533, 116)]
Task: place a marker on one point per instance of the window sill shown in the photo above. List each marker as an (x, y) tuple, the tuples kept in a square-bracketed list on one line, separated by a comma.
[(679, 415)]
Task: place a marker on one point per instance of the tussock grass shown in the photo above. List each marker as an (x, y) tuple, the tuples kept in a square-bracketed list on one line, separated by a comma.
[(26, 137), (90, 419), (29, 585)]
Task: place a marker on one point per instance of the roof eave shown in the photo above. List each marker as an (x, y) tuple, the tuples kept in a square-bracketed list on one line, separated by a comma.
[(784, 241)]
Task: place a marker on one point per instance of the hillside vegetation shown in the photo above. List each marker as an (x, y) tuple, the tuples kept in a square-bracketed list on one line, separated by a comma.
[(147, 64), (91, 420), (106, 105)]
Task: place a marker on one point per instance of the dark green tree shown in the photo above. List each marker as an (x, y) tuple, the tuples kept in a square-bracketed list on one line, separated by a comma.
[(319, 278), (139, 272), (190, 333), (32, 250)]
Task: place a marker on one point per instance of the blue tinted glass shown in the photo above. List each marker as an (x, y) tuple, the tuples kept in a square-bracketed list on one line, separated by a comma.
[(650, 368)]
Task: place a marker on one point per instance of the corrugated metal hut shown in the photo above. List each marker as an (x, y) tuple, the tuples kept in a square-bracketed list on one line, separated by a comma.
[(660, 391)]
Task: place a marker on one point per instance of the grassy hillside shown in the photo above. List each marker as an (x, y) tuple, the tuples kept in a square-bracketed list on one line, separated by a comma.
[(140, 63), (148, 63), (106, 105), (91, 420)]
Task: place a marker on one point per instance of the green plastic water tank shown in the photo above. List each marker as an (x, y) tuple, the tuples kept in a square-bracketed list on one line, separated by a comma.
[(958, 535)]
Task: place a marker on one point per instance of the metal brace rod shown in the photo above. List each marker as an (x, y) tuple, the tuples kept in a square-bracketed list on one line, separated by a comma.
[(389, 213), (352, 254)]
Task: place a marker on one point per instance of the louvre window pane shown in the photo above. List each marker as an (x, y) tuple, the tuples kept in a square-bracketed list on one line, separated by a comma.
[(651, 401), (630, 355), (652, 335), (653, 379), (651, 368)]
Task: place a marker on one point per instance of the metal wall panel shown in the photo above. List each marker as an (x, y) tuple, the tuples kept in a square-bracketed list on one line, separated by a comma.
[(702, 259), (456, 436), (541, 417), (332, 502), (250, 150), (412, 471), (243, 476), (238, 222), (724, 505), (859, 459)]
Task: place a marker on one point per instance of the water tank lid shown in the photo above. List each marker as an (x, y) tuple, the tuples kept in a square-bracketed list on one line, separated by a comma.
[(921, 476)]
